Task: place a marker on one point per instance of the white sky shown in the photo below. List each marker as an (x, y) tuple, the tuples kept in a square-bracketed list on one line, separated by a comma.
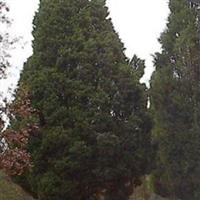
[(138, 22)]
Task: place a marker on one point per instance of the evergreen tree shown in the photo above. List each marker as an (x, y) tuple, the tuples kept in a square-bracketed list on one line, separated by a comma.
[(92, 110), (175, 100)]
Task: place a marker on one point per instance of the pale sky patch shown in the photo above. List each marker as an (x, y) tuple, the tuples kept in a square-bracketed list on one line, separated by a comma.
[(138, 23)]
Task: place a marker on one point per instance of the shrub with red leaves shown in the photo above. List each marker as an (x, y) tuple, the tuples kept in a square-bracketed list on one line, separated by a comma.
[(15, 158)]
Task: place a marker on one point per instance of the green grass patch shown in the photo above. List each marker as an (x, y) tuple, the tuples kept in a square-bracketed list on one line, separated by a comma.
[(11, 191)]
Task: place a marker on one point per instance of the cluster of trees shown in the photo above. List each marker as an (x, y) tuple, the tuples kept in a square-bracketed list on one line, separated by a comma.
[(96, 136)]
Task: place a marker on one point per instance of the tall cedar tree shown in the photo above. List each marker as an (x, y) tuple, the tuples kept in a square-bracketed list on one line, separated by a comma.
[(94, 128), (175, 99)]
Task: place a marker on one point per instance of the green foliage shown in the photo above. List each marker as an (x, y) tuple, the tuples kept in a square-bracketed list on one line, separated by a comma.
[(175, 101), (94, 126)]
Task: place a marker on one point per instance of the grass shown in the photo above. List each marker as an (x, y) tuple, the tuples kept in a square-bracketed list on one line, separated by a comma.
[(11, 191)]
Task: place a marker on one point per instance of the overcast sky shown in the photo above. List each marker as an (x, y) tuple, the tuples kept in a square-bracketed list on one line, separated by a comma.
[(138, 22)]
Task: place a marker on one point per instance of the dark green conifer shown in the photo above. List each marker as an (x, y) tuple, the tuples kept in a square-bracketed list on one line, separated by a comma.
[(95, 131)]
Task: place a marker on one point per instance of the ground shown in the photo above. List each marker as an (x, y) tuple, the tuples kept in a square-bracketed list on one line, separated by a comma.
[(10, 191), (142, 193)]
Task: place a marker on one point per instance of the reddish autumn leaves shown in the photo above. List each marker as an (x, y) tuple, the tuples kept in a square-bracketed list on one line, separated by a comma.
[(15, 158)]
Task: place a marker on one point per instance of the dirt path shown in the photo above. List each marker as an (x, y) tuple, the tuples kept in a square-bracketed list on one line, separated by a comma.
[(143, 194)]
